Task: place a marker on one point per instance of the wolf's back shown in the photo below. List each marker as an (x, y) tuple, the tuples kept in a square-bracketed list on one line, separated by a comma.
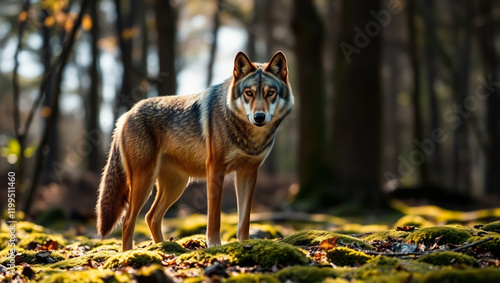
[(113, 190)]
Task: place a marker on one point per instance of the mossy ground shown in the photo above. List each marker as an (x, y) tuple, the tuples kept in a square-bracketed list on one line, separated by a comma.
[(265, 253), (302, 256)]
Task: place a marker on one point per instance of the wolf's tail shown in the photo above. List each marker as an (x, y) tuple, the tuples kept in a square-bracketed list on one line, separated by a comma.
[(113, 190)]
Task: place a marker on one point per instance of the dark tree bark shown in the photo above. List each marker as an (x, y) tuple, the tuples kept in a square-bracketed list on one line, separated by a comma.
[(356, 148), (461, 153), (166, 24), (213, 47), (95, 158), (308, 30), (429, 16), (21, 130), (487, 45), (418, 126), (51, 120)]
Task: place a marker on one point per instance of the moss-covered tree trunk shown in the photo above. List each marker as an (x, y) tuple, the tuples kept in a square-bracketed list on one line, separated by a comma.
[(356, 148)]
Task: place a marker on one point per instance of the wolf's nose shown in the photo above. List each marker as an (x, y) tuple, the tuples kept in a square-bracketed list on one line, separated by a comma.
[(259, 117)]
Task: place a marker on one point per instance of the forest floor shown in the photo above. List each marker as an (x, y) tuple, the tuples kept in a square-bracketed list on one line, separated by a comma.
[(428, 244)]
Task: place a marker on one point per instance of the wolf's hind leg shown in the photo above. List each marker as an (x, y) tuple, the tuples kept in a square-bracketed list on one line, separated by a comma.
[(170, 187), (141, 185)]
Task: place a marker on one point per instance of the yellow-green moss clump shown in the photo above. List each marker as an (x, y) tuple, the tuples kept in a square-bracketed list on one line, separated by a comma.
[(483, 275), (314, 237), (385, 235), (386, 269), (450, 235), (39, 238), (82, 260), (201, 238), (29, 256), (413, 220), (134, 258), (492, 226), (257, 231), (342, 256), (152, 273), (87, 276), (249, 253), (447, 258), (492, 245), (306, 274), (252, 278), (167, 248)]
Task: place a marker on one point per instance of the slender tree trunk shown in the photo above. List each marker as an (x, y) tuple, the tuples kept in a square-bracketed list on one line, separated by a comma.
[(213, 47), (51, 120), (461, 153), (166, 24), (418, 127), (20, 131), (487, 45), (357, 131), (428, 13), (94, 159)]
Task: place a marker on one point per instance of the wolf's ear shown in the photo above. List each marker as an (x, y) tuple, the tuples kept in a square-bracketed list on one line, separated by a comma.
[(242, 66), (277, 66)]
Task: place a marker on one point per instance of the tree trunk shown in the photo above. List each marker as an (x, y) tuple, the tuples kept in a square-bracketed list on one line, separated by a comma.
[(95, 158), (418, 127), (166, 24), (487, 35), (213, 47), (51, 120), (308, 30), (357, 131), (428, 13)]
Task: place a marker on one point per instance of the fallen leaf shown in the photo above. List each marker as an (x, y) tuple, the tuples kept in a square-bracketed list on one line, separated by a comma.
[(328, 243)]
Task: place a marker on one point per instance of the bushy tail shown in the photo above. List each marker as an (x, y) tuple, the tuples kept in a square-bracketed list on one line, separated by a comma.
[(113, 191)]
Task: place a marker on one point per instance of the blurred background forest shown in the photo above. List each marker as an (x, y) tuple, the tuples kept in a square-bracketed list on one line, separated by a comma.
[(394, 98)]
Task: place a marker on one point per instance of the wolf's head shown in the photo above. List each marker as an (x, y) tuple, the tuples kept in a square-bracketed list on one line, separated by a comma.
[(260, 92)]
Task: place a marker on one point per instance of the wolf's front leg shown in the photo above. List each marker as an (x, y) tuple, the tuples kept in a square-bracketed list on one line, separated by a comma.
[(215, 181), (245, 184)]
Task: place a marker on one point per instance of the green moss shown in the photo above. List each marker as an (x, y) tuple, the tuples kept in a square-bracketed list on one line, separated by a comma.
[(4, 240), (40, 238), (167, 247), (451, 235), (492, 226), (314, 237), (252, 278), (152, 273), (87, 276), (492, 245), (257, 231), (388, 270), (249, 253), (483, 275), (342, 256), (306, 274), (134, 258), (447, 258), (201, 238), (29, 256), (82, 260), (30, 227), (413, 220), (385, 235)]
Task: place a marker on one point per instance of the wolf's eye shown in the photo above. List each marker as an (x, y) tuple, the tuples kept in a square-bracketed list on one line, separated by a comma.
[(249, 93), (270, 93)]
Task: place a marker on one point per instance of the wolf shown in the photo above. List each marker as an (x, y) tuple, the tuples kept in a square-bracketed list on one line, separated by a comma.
[(174, 139)]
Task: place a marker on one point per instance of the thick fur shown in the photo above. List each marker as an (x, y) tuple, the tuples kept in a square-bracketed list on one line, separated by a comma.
[(229, 127)]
